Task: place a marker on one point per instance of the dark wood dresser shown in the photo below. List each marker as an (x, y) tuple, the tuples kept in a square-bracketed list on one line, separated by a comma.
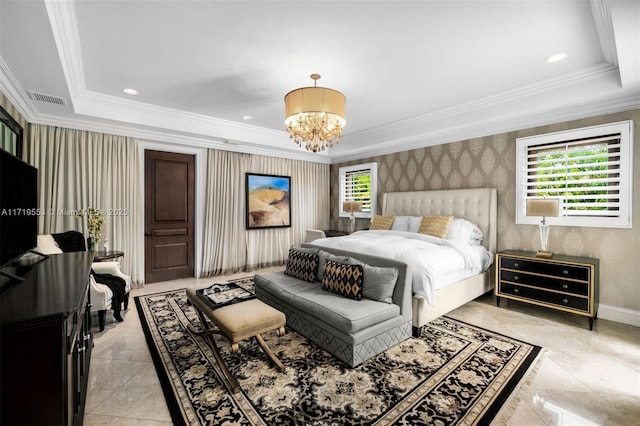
[(46, 342), (565, 283)]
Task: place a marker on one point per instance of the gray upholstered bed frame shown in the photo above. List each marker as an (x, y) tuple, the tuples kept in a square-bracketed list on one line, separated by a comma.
[(478, 205)]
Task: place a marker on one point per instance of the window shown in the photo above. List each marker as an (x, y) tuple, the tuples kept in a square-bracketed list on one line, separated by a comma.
[(359, 183), (589, 170)]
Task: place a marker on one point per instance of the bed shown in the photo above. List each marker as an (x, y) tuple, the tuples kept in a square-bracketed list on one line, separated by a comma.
[(477, 206)]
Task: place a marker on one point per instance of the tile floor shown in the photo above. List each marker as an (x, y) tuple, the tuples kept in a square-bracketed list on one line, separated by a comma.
[(585, 377)]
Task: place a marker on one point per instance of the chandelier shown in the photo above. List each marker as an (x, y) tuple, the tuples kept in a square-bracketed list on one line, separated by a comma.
[(314, 116)]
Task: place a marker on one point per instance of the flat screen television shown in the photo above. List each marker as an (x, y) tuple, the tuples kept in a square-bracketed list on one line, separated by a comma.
[(18, 207)]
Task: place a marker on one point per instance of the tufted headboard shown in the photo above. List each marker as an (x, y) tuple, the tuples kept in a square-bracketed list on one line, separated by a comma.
[(477, 205)]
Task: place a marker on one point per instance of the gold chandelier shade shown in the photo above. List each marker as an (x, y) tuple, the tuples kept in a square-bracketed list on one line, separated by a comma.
[(314, 116)]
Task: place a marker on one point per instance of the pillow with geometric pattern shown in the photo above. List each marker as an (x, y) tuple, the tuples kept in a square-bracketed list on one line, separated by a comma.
[(381, 222), (302, 265), (343, 279), (438, 226)]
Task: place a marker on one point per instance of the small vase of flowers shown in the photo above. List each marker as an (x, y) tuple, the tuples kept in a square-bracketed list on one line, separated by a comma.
[(95, 220)]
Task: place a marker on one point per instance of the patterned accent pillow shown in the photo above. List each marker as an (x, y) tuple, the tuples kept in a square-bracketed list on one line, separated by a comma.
[(381, 222), (438, 226), (302, 265), (343, 279)]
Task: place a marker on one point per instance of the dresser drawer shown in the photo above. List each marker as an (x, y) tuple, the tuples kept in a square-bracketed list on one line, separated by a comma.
[(538, 295), (562, 270), (551, 283)]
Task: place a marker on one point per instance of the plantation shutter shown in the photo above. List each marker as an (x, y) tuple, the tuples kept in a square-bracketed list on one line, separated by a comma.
[(357, 187), (589, 170), (359, 183), (584, 174)]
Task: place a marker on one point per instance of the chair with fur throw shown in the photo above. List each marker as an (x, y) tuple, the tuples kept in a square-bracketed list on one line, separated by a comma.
[(109, 287)]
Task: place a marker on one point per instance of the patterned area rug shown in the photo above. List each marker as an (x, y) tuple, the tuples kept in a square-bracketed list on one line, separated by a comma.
[(453, 374)]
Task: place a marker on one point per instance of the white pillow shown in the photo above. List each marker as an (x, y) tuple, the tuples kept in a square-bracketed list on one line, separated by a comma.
[(47, 245), (400, 223), (414, 223), (466, 232)]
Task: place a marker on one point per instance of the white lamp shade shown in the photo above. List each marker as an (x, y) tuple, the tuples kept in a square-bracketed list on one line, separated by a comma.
[(351, 206), (545, 207)]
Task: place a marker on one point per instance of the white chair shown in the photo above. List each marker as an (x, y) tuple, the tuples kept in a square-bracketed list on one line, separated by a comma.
[(313, 234), (101, 295)]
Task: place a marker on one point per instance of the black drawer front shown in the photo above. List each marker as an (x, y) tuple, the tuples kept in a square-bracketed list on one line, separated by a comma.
[(545, 282), (572, 302), (575, 272)]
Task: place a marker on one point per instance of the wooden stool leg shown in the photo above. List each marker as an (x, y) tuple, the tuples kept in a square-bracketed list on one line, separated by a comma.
[(270, 354)]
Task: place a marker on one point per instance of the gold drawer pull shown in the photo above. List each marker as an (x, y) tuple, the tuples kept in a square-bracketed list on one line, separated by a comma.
[(515, 278), (565, 301), (515, 290), (564, 286), (516, 264), (564, 271)]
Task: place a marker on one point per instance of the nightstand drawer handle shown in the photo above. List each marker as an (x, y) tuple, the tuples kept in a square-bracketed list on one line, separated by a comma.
[(564, 286), (515, 290), (515, 278), (565, 301), (516, 264), (564, 271)]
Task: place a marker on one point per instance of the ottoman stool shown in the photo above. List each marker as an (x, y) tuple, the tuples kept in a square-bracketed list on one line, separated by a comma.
[(237, 322)]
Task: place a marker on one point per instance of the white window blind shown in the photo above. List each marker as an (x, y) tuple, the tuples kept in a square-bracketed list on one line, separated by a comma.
[(589, 170), (359, 183)]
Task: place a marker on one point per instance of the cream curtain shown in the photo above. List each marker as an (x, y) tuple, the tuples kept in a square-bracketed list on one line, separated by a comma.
[(78, 169), (228, 246)]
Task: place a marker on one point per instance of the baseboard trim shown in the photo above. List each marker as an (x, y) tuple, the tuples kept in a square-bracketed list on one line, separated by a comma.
[(618, 314)]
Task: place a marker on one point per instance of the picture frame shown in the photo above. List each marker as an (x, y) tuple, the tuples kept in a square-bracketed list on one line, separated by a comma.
[(267, 201)]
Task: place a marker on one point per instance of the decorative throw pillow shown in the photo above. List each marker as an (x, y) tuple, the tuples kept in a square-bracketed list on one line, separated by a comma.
[(343, 279), (302, 265), (381, 222), (324, 256), (379, 282), (438, 226)]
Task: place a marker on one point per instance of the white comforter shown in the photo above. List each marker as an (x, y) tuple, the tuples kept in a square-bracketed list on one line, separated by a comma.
[(429, 257)]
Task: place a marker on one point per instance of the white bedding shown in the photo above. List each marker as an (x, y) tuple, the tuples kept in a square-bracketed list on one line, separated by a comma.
[(429, 257)]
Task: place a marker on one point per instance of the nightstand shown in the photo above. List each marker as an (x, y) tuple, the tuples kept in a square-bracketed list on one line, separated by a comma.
[(564, 283)]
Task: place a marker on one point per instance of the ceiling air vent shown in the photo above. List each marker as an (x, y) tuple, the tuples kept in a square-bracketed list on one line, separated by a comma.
[(37, 96)]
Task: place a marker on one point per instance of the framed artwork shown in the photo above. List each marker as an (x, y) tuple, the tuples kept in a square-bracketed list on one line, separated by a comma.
[(268, 201)]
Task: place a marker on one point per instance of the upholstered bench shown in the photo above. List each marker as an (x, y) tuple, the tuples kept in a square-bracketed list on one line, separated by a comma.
[(237, 322)]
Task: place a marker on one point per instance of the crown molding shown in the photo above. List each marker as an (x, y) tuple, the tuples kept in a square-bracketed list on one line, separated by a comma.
[(482, 128), (601, 12), (14, 92), (163, 136), (64, 26), (598, 71)]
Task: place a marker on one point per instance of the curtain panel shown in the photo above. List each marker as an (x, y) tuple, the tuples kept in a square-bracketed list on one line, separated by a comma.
[(228, 246), (79, 169)]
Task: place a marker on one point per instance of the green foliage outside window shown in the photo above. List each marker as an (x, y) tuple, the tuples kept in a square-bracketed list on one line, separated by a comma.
[(578, 176)]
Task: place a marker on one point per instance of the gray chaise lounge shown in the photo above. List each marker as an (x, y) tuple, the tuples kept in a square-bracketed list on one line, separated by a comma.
[(352, 330)]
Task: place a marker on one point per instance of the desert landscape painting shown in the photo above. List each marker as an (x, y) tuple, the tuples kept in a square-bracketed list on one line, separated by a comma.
[(268, 201)]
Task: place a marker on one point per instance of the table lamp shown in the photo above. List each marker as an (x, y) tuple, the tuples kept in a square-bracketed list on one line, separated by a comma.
[(352, 206), (545, 207)]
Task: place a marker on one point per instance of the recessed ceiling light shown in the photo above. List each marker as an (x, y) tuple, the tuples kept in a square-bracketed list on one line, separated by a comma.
[(557, 57), (247, 117), (130, 91)]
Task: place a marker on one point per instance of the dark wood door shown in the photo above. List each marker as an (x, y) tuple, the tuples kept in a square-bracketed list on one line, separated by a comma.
[(169, 215)]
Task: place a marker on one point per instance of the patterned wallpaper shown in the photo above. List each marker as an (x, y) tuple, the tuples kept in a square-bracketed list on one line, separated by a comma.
[(490, 162)]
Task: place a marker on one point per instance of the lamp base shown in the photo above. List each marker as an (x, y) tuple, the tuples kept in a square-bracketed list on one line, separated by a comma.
[(544, 254)]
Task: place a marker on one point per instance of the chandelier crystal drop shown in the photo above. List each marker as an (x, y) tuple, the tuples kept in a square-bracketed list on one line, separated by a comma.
[(314, 116)]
